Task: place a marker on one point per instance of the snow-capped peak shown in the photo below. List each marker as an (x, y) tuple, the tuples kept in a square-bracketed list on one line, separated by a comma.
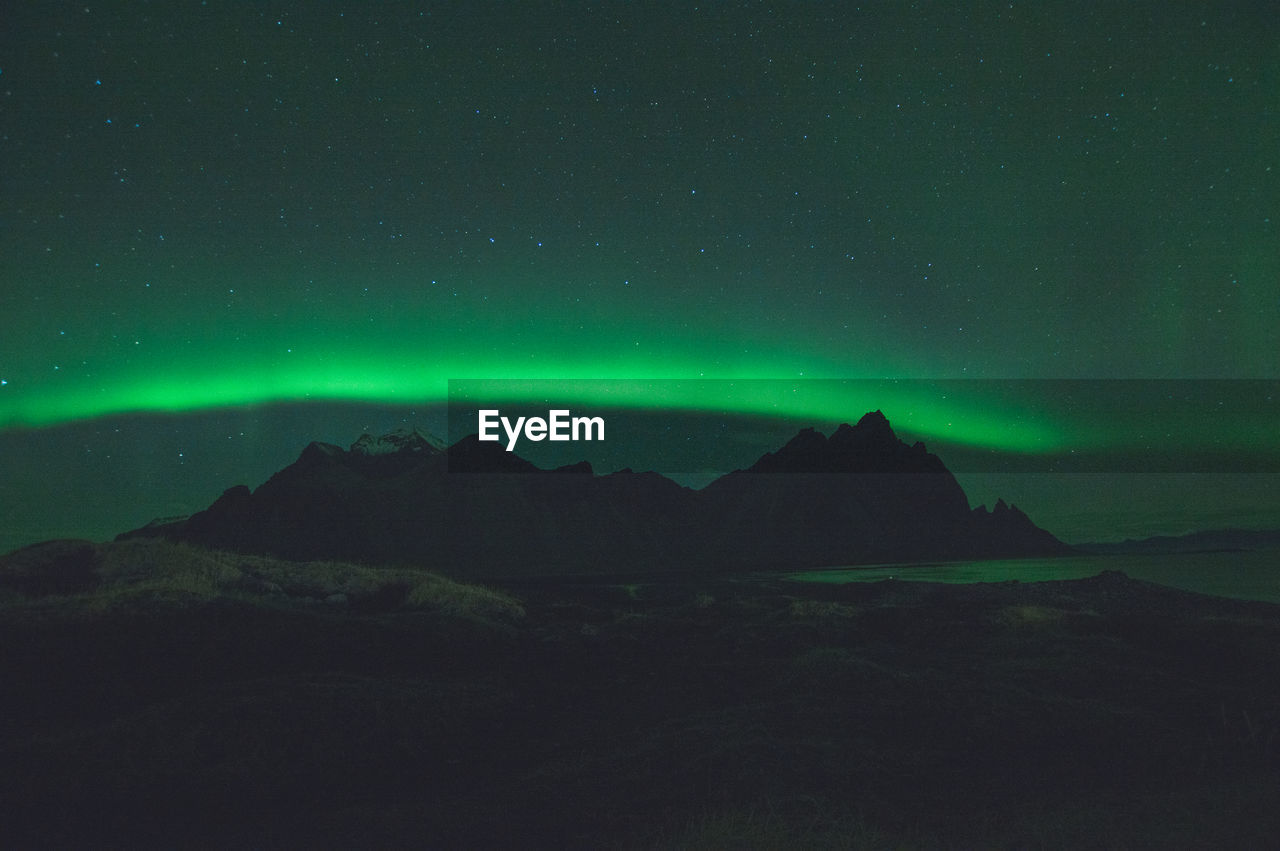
[(400, 440)]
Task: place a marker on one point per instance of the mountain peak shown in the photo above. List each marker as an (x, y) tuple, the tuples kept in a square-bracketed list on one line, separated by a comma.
[(868, 447), (874, 420), (872, 430), (806, 440), (401, 440)]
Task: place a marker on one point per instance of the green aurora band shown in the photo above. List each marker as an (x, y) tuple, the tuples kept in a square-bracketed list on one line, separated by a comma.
[(915, 405), (1028, 416), (207, 355)]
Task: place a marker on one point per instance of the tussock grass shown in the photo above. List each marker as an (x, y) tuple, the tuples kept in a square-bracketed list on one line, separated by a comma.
[(152, 570), (163, 568), (437, 592)]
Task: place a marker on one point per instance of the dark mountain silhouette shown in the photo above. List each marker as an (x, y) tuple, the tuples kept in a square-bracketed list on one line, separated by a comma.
[(859, 496), (1206, 541)]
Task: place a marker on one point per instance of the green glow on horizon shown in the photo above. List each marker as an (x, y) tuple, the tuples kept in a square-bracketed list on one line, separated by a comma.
[(410, 358), (402, 379), (1007, 416)]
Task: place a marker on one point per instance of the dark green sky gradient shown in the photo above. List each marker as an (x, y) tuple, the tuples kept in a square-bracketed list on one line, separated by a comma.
[(205, 206)]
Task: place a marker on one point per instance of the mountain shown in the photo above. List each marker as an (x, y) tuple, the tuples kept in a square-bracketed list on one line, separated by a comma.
[(409, 441), (1208, 541), (861, 496), (473, 509)]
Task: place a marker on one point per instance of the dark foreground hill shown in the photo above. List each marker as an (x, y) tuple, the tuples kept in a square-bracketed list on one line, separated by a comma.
[(161, 695), (473, 509)]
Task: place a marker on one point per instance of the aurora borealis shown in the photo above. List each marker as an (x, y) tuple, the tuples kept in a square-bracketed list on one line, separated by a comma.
[(222, 223)]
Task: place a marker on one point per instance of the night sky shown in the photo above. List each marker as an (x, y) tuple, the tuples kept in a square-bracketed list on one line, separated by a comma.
[(228, 229)]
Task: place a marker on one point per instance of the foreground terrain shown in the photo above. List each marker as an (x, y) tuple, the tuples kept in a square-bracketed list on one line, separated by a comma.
[(163, 694)]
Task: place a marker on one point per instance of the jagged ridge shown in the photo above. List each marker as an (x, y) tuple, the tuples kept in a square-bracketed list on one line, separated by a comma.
[(473, 509)]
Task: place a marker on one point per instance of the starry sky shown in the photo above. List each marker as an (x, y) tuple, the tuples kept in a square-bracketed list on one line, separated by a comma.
[(227, 229)]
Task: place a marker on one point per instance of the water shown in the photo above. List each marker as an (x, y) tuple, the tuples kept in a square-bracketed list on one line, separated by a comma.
[(1252, 575)]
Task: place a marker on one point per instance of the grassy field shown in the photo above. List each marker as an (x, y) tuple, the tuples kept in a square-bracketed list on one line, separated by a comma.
[(160, 694)]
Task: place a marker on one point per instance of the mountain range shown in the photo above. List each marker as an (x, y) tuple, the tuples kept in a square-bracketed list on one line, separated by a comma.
[(1204, 541), (858, 496)]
